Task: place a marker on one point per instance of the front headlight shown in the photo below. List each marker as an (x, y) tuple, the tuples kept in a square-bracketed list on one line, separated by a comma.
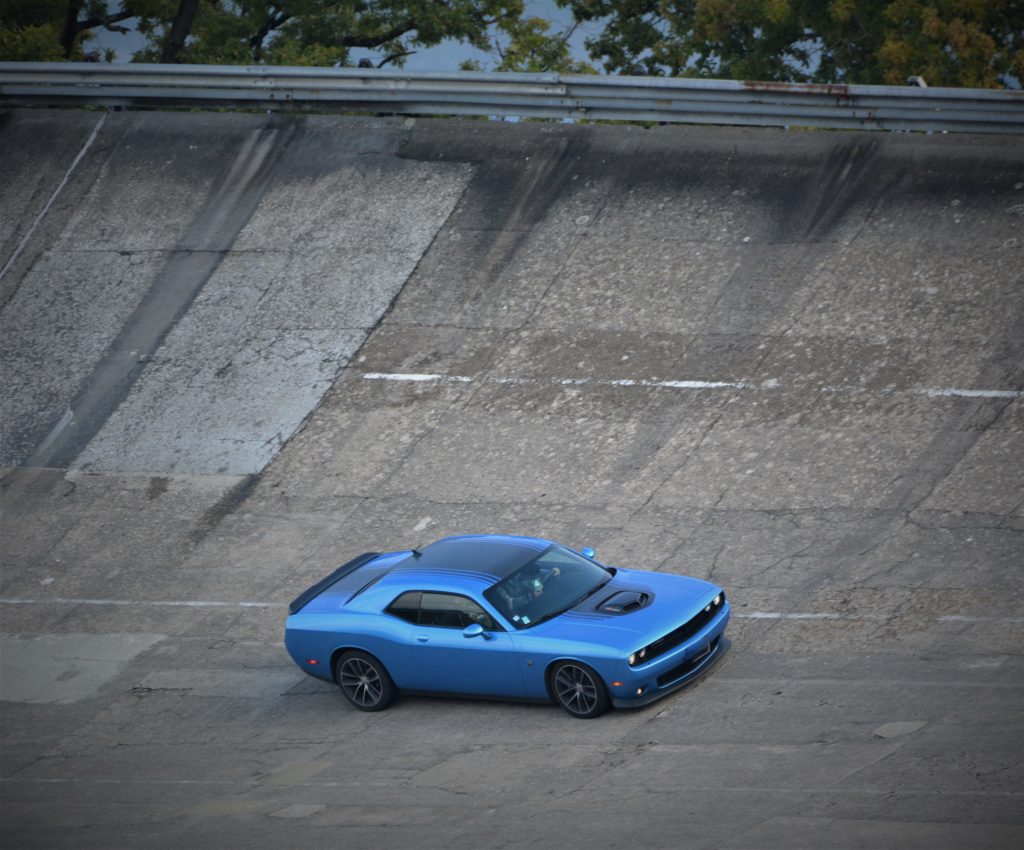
[(636, 657), (717, 600)]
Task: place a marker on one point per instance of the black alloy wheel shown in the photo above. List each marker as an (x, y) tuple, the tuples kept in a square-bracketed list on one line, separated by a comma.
[(579, 690), (364, 681)]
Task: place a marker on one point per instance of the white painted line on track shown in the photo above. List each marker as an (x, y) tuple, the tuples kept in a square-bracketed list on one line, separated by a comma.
[(742, 789), (803, 615), (419, 378), (89, 780), (833, 615), (956, 618), (673, 385), (770, 384), (141, 603), (742, 615), (415, 378), (972, 393)]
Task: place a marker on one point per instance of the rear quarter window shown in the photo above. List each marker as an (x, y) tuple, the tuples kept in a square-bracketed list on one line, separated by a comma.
[(450, 611), (445, 610), (406, 607)]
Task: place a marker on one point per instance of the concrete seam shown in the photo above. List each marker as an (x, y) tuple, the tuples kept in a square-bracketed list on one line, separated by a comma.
[(60, 187), (339, 375)]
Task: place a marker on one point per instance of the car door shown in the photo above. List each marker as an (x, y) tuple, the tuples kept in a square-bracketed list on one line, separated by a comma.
[(443, 659)]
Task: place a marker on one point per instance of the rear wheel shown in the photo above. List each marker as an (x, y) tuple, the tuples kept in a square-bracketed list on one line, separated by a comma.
[(579, 690), (364, 681)]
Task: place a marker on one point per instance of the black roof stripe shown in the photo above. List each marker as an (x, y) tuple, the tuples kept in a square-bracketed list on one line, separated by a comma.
[(493, 558)]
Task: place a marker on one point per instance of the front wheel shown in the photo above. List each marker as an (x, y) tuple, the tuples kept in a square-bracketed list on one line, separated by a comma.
[(579, 690), (364, 681)]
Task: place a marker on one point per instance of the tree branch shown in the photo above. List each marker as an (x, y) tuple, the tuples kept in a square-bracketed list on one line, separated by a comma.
[(392, 57), (271, 23), (70, 31), (378, 40), (108, 22), (74, 27), (180, 29), (567, 34)]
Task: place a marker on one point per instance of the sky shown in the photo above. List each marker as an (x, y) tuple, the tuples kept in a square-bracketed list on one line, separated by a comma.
[(447, 56)]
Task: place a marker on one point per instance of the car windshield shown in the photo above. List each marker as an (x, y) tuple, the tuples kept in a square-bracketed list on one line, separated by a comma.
[(550, 584)]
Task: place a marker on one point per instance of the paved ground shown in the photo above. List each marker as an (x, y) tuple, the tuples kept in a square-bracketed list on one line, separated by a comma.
[(791, 362)]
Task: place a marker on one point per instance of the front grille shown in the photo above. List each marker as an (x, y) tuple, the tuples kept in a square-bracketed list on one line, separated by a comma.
[(686, 631), (687, 666)]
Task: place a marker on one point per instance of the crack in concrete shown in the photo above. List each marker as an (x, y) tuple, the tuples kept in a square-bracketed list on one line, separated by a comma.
[(723, 405)]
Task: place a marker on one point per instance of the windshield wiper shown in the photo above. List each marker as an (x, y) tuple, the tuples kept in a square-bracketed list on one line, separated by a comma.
[(591, 592), (546, 617), (574, 603)]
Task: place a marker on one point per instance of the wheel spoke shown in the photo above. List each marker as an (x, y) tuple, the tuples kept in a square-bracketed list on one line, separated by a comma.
[(361, 682), (576, 689)]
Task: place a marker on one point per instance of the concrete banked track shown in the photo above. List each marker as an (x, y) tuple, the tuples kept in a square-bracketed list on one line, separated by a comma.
[(238, 350)]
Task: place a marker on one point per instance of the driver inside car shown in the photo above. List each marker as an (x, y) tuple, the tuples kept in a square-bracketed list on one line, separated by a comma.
[(528, 587)]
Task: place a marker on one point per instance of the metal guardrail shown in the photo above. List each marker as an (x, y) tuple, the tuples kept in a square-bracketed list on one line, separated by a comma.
[(560, 96)]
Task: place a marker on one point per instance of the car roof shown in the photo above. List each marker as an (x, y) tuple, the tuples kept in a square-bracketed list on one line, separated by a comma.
[(485, 557)]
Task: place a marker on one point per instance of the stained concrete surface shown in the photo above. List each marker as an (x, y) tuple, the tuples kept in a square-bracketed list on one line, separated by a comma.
[(64, 668), (839, 294), (135, 377)]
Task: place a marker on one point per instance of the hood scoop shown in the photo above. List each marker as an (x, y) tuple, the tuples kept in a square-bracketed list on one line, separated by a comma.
[(624, 602)]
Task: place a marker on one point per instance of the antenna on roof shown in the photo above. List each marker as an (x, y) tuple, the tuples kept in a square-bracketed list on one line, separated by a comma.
[(416, 553)]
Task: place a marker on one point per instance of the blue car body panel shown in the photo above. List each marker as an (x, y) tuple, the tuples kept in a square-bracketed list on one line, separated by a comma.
[(442, 660), (671, 612)]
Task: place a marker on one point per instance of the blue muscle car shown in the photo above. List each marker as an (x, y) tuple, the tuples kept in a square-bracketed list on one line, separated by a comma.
[(506, 617)]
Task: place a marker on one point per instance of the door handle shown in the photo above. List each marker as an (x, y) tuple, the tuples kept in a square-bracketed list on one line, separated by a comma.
[(422, 638)]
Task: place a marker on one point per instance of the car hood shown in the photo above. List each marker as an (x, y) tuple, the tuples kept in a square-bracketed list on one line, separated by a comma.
[(673, 600)]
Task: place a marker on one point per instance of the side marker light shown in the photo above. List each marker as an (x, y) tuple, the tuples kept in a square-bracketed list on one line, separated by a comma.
[(312, 661)]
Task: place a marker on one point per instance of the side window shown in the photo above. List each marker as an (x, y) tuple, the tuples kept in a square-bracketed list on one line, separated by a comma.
[(452, 612), (406, 607)]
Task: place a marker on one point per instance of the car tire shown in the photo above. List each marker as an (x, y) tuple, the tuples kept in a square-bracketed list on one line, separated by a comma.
[(364, 681), (579, 690)]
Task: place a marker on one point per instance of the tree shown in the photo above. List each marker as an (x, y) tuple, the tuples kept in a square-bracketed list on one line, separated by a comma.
[(178, 31), (948, 42), (30, 30), (527, 45), (310, 32), (273, 32), (50, 30), (86, 15)]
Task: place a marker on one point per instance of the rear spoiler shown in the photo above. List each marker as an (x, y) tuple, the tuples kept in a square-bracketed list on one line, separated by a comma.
[(311, 593)]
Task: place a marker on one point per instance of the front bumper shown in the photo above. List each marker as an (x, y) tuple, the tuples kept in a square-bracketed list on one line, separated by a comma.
[(672, 671)]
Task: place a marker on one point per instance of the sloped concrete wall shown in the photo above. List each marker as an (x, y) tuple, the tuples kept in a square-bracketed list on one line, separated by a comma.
[(198, 281), (205, 278), (788, 362)]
